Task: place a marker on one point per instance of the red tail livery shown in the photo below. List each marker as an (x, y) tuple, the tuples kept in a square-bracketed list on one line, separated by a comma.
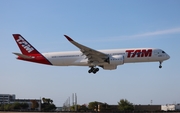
[(29, 53)]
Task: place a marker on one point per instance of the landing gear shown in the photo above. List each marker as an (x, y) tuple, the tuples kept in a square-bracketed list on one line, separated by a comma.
[(160, 66), (93, 70)]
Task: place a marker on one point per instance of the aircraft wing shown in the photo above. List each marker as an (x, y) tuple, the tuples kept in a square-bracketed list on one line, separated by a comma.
[(94, 57)]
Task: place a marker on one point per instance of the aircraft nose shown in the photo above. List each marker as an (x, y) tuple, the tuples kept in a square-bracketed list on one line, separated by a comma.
[(168, 57)]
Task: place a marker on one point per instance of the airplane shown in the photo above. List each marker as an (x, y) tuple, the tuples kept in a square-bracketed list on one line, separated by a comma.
[(107, 59)]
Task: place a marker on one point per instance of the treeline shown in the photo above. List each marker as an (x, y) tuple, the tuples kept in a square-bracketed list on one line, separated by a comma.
[(32, 105), (123, 105), (47, 105), (14, 107)]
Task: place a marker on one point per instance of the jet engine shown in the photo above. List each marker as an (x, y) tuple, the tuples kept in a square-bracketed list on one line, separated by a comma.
[(113, 62), (116, 60)]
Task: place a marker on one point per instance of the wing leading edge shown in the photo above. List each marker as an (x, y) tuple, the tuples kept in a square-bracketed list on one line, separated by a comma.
[(94, 57)]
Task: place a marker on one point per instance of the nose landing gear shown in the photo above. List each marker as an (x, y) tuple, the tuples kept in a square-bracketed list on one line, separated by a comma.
[(93, 70), (160, 64)]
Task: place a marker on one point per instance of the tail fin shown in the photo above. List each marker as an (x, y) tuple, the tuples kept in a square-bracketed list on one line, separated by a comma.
[(25, 47), (29, 53)]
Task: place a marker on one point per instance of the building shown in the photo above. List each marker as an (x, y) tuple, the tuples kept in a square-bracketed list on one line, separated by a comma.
[(147, 107), (177, 107), (30, 102), (170, 107), (10, 99), (6, 98)]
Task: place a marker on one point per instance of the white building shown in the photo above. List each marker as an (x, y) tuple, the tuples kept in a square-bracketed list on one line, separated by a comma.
[(170, 107)]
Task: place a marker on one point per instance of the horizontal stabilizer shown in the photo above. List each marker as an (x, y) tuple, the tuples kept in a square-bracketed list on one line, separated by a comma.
[(23, 56)]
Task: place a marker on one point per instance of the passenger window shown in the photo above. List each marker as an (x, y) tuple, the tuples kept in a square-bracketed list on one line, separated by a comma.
[(163, 52)]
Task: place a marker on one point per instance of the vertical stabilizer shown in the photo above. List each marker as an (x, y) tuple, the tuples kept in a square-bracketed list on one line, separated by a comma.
[(29, 53), (25, 47)]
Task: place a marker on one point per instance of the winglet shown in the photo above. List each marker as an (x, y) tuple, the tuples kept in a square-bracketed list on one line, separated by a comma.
[(68, 38)]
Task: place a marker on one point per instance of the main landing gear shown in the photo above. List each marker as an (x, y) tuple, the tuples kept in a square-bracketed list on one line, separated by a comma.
[(93, 70), (160, 64)]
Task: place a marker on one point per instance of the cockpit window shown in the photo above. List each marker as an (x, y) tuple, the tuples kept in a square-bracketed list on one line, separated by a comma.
[(163, 52)]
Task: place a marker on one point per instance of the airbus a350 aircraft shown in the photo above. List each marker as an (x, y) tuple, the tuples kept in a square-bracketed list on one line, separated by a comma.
[(107, 59)]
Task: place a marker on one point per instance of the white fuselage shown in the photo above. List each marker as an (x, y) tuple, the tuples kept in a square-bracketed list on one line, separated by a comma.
[(133, 55)]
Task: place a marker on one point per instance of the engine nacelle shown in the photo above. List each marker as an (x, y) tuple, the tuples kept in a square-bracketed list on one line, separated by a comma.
[(109, 67), (116, 60), (113, 62)]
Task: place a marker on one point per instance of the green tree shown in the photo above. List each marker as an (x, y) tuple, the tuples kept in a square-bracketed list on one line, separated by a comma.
[(47, 105), (7, 107), (83, 108), (104, 107), (93, 106), (17, 106), (24, 105), (47, 100), (14, 106), (51, 101), (79, 108), (125, 105), (44, 100)]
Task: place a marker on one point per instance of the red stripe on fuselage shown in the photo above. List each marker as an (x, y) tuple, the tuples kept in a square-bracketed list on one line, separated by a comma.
[(37, 58)]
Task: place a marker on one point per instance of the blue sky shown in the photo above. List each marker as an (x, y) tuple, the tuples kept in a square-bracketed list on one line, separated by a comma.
[(101, 24)]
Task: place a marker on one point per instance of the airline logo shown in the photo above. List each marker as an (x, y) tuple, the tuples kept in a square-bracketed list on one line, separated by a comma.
[(139, 53), (24, 44)]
